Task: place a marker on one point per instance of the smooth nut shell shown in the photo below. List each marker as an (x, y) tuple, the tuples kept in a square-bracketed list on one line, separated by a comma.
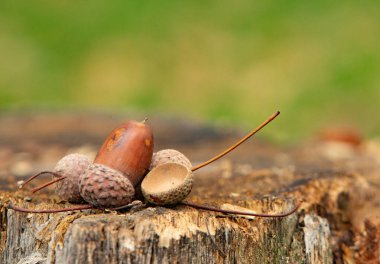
[(128, 149), (169, 156), (72, 167), (167, 183), (104, 187)]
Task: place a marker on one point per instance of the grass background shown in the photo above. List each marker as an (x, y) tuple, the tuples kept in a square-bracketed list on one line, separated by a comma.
[(234, 62)]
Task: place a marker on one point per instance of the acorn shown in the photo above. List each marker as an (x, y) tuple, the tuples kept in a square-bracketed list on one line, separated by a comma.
[(128, 149), (120, 164), (105, 187), (66, 174)]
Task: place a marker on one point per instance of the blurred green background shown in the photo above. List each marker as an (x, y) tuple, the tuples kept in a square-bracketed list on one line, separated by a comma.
[(233, 62)]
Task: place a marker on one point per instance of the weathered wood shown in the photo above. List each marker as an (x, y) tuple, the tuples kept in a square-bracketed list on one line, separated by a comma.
[(338, 183)]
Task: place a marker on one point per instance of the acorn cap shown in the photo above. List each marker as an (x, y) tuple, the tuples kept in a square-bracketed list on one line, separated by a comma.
[(168, 183), (104, 187), (71, 167), (169, 156)]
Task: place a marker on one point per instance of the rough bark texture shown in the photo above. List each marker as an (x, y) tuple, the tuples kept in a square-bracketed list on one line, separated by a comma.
[(337, 223)]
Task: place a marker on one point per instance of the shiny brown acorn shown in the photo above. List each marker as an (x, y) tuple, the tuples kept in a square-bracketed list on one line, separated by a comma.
[(66, 174), (120, 164), (128, 149)]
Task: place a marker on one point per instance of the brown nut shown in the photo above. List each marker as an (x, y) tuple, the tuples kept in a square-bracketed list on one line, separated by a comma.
[(128, 149)]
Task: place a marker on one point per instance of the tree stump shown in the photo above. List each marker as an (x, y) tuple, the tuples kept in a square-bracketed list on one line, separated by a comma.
[(338, 182)]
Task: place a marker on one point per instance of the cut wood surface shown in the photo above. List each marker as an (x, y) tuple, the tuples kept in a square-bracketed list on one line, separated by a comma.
[(338, 182)]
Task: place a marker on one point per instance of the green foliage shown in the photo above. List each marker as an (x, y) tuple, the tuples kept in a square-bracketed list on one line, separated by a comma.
[(318, 62)]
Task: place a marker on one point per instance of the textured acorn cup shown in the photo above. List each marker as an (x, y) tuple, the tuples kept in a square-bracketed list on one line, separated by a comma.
[(128, 149), (167, 183), (71, 167), (104, 187), (169, 156)]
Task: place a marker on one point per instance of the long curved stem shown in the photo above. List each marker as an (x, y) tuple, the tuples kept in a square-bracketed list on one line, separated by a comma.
[(38, 174), (214, 209), (48, 183), (237, 143)]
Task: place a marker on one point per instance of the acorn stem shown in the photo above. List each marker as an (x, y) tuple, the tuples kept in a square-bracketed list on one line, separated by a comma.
[(214, 209), (48, 183), (38, 174), (237, 143), (47, 211)]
